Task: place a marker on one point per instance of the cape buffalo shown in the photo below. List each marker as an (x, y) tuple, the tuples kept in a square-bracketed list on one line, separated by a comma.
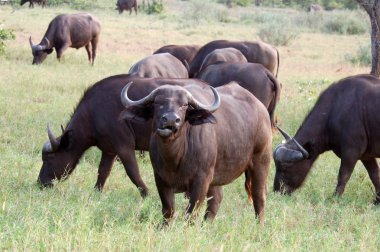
[(95, 122), (198, 148), (68, 30), (346, 120), (185, 53), (122, 5), (159, 65), (31, 2), (254, 77), (255, 52), (222, 55)]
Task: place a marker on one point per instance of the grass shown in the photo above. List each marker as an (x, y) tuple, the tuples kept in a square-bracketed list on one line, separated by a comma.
[(73, 217)]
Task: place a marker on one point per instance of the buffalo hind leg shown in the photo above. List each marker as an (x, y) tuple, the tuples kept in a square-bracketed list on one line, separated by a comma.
[(167, 198), (347, 165), (94, 44), (258, 176), (104, 170), (374, 174), (88, 52), (128, 159), (215, 196)]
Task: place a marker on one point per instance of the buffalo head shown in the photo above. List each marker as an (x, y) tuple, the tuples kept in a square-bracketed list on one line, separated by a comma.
[(170, 107), (57, 158), (292, 165), (40, 51)]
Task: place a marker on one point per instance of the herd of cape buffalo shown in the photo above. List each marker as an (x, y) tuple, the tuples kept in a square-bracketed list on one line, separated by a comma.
[(206, 115)]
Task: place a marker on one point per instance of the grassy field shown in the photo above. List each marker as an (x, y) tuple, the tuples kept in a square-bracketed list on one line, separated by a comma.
[(74, 217)]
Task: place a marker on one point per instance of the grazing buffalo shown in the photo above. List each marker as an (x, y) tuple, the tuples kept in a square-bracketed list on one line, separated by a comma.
[(31, 2), (222, 55), (254, 52), (68, 30), (252, 76), (198, 148), (315, 8), (159, 65), (346, 120), (123, 5), (95, 122), (185, 53)]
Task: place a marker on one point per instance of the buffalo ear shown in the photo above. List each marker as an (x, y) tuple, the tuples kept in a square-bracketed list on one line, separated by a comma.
[(199, 116), (66, 140), (137, 113), (49, 51)]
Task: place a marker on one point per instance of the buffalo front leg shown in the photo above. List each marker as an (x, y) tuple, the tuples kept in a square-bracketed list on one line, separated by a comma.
[(88, 52), (130, 165), (347, 165), (214, 196), (60, 51), (374, 174), (104, 170), (198, 192), (167, 198)]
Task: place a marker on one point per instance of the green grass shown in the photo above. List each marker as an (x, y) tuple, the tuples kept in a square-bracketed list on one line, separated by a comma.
[(72, 216)]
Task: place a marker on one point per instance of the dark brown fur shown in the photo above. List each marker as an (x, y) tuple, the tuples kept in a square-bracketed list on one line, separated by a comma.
[(185, 53), (122, 5), (346, 120)]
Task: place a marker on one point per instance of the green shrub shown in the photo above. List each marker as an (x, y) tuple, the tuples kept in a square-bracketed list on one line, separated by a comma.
[(362, 57), (342, 23), (5, 34), (278, 34), (155, 7)]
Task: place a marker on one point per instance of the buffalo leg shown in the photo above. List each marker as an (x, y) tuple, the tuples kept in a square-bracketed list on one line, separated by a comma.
[(105, 167), (374, 174), (88, 52), (215, 195), (60, 51), (130, 165), (198, 194), (258, 176), (167, 198), (346, 167)]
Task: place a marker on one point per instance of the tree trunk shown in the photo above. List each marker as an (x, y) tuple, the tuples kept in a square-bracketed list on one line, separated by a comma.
[(374, 14)]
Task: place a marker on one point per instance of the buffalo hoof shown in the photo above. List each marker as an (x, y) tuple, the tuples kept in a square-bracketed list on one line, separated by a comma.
[(377, 199), (143, 192)]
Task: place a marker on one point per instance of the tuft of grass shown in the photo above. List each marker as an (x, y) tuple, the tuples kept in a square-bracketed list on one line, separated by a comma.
[(362, 57), (276, 34)]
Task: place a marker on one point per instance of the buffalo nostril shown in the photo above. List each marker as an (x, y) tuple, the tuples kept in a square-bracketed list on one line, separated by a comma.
[(164, 119), (177, 120)]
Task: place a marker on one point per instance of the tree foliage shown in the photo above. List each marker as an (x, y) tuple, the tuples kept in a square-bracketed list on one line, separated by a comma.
[(326, 4)]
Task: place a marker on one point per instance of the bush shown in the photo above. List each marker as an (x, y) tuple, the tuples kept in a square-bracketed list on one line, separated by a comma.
[(5, 34), (278, 34), (362, 57), (342, 23), (154, 8)]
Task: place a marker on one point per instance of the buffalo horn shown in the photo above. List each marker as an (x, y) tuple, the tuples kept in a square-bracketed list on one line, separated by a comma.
[(283, 154), (128, 102), (30, 42), (53, 141), (211, 108), (304, 152), (63, 129)]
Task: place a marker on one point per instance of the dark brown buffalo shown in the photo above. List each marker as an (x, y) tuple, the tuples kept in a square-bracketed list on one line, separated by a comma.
[(254, 77), (159, 65), (346, 120), (185, 53), (122, 5), (223, 55), (95, 122), (31, 2), (68, 30), (198, 148), (254, 52)]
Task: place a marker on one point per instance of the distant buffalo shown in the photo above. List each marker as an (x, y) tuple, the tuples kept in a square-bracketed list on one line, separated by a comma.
[(185, 53), (31, 2), (159, 65), (68, 30), (346, 120), (122, 5), (223, 55), (254, 52), (315, 8)]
